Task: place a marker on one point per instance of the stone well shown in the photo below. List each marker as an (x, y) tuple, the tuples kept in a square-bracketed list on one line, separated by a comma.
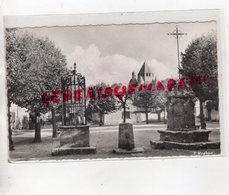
[(181, 131), (74, 140)]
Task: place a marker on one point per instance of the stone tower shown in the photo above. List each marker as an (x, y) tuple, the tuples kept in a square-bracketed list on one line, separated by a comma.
[(133, 80), (145, 75)]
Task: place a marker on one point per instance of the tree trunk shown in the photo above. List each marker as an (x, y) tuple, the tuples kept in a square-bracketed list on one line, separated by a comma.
[(31, 123), (202, 118), (209, 114), (101, 122), (11, 144), (124, 114), (164, 117), (159, 116), (37, 137), (54, 133), (147, 118)]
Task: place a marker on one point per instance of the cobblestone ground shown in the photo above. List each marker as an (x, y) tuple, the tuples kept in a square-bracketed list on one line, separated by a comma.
[(106, 139)]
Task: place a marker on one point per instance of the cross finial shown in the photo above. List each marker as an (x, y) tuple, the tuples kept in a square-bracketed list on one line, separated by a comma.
[(177, 34), (75, 66), (74, 70)]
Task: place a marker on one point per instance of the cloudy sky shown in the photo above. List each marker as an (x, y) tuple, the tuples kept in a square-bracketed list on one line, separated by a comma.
[(111, 53)]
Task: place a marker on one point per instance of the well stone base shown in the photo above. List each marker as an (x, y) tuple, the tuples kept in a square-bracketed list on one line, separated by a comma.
[(184, 136), (133, 151), (185, 146), (77, 136), (74, 140), (74, 150), (188, 140)]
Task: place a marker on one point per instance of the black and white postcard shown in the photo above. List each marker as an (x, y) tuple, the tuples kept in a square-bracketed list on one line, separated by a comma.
[(119, 88)]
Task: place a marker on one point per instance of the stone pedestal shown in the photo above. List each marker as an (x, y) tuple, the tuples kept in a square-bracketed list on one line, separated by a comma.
[(181, 131), (126, 140), (74, 140)]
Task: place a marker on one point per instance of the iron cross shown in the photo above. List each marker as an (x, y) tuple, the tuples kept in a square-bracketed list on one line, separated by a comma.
[(177, 34)]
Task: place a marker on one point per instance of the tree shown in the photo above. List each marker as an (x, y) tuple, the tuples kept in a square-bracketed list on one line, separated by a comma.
[(122, 95), (54, 109), (160, 103), (145, 99), (34, 66), (199, 68), (149, 101), (210, 105), (12, 57), (103, 103)]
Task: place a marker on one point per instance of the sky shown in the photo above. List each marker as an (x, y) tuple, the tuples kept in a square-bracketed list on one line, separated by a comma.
[(111, 53)]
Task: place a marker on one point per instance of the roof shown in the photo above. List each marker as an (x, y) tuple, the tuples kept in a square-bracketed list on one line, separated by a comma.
[(144, 69)]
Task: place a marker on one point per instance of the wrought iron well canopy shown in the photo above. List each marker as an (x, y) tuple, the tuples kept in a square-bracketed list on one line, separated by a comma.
[(74, 98)]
